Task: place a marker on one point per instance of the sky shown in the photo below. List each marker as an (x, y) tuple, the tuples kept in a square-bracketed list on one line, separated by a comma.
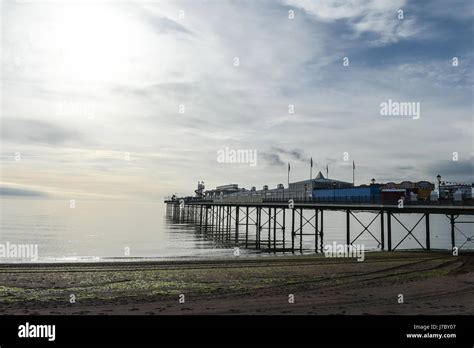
[(133, 100)]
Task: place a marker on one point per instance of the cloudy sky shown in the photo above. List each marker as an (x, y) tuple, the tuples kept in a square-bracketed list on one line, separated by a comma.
[(133, 100)]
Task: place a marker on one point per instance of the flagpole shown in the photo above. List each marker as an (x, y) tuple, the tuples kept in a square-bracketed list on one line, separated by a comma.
[(327, 171), (311, 170), (288, 174), (353, 173)]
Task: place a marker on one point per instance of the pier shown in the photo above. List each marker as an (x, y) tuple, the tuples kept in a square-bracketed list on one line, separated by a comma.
[(283, 227)]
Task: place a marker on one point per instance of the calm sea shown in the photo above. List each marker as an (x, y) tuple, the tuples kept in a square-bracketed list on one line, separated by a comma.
[(108, 231)]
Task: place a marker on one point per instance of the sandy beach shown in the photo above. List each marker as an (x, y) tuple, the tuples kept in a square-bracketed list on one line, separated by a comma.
[(431, 283)]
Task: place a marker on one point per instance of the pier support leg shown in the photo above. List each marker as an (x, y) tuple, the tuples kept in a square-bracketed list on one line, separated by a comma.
[(284, 228), (215, 215), (301, 230), (224, 222), (382, 231), (293, 230), (237, 225), (322, 231), (219, 221), (212, 219), (427, 220), (246, 226), (200, 216), (316, 230), (229, 218), (257, 233), (348, 228), (453, 239), (274, 228), (389, 230), (215, 220), (269, 227)]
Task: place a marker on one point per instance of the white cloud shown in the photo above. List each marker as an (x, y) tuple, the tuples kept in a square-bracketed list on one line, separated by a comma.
[(364, 16)]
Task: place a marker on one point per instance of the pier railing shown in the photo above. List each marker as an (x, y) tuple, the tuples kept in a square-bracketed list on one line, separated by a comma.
[(374, 200), (337, 200)]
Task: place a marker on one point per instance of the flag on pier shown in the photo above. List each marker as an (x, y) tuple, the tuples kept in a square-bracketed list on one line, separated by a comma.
[(311, 170)]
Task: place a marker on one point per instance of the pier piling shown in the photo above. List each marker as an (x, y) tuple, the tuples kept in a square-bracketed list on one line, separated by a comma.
[(223, 221)]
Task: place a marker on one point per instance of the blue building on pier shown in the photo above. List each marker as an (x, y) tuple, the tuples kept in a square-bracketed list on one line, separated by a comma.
[(359, 194)]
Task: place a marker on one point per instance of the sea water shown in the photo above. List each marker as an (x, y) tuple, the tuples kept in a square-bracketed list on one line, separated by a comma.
[(121, 231)]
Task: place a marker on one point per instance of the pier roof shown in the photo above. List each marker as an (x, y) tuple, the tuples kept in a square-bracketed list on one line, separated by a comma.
[(319, 181)]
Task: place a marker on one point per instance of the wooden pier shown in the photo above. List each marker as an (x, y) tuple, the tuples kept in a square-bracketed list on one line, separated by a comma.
[(283, 227)]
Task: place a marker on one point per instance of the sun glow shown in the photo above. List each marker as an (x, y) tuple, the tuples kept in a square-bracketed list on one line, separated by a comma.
[(94, 42)]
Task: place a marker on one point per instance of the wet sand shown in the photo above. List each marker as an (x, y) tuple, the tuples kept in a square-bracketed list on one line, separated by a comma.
[(431, 283)]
